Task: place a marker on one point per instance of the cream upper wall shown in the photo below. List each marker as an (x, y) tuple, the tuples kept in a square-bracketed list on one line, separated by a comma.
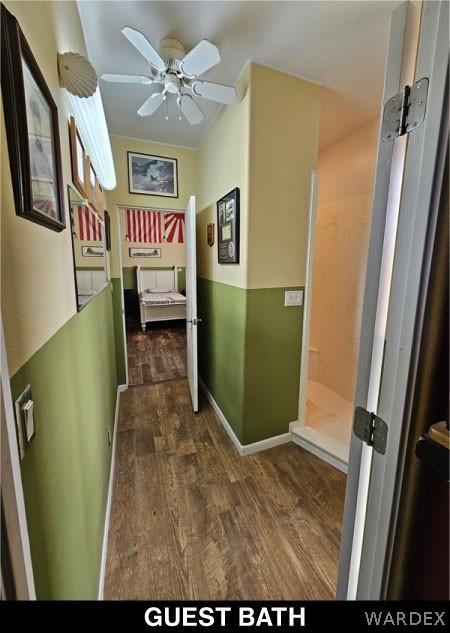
[(284, 138), (37, 278), (223, 164), (346, 172), (172, 254)]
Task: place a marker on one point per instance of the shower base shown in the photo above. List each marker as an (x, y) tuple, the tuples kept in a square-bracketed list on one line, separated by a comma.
[(328, 425)]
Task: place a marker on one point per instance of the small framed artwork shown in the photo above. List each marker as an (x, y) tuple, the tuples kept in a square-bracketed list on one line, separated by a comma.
[(152, 175), (228, 228), (136, 251), (31, 119), (92, 251), (210, 233), (79, 159), (107, 230)]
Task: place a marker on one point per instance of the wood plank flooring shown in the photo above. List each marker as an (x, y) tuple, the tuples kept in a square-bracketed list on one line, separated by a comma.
[(191, 519), (158, 354)]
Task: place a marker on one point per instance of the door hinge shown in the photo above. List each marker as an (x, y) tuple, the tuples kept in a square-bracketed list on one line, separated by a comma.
[(405, 111), (371, 429)]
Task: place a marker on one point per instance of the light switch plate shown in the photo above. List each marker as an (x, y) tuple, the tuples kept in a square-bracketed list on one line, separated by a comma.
[(293, 298), (24, 419)]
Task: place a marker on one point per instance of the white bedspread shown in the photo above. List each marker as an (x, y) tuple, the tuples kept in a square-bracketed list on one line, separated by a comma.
[(162, 298)]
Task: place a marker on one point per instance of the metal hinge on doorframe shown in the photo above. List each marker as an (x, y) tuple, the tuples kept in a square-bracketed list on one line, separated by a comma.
[(405, 111), (371, 429)]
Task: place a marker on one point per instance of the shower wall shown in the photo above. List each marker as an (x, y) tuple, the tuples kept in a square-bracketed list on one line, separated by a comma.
[(346, 172)]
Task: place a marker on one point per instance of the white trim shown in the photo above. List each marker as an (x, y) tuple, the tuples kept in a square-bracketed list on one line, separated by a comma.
[(144, 140), (263, 445), (22, 563), (425, 158), (319, 452), (316, 442), (124, 207), (303, 383), (243, 449), (101, 583), (360, 454)]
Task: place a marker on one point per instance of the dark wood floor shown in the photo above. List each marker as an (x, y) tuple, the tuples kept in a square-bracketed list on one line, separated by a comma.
[(191, 519), (158, 354)]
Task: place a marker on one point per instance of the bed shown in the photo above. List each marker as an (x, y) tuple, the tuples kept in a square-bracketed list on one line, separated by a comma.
[(159, 299)]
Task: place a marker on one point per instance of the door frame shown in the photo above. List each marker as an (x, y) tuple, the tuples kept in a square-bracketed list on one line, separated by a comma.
[(12, 490), (386, 200), (191, 301), (307, 299), (424, 164), (122, 295)]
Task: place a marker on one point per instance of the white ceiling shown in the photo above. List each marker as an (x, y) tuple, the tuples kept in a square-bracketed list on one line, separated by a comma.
[(340, 44)]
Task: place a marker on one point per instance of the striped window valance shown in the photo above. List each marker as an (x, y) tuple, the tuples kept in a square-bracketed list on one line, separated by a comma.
[(143, 225), (90, 228)]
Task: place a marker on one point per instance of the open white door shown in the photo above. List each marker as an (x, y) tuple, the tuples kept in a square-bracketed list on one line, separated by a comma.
[(191, 302), (401, 218)]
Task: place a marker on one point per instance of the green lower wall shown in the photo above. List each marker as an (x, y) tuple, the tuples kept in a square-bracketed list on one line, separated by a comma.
[(118, 331), (221, 346), (66, 468), (129, 277), (249, 356), (272, 364)]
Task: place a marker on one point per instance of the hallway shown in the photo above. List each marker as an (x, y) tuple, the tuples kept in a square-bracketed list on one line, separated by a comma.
[(158, 354), (192, 519)]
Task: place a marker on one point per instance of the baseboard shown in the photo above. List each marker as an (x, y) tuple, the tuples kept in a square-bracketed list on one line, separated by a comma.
[(222, 419), (319, 452), (101, 583), (243, 449), (263, 445)]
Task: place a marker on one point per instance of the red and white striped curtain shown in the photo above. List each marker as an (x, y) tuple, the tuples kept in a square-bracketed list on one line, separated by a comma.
[(143, 226), (174, 227), (90, 228)]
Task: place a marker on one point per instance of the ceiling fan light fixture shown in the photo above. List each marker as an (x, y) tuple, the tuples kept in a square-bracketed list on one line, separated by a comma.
[(172, 84), (177, 71)]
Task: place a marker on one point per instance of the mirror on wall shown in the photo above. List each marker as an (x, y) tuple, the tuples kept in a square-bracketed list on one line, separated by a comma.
[(88, 242)]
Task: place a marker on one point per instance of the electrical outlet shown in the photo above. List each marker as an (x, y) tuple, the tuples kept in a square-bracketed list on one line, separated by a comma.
[(293, 298)]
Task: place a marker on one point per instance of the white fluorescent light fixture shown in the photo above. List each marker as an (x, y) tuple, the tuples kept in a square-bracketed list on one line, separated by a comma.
[(91, 124)]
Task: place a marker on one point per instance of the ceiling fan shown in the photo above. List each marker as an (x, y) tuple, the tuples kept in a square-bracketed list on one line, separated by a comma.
[(177, 72)]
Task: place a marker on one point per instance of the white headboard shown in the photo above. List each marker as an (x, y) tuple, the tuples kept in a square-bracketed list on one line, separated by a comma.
[(150, 278)]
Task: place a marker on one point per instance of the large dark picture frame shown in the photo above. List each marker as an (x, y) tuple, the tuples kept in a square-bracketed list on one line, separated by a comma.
[(228, 211), (32, 130)]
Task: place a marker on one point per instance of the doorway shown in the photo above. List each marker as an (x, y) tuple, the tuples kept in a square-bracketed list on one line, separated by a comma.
[(152, 267), (339, 257)]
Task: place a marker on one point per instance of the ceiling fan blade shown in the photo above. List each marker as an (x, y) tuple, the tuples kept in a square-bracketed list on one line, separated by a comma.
[(141, 43), (200, 59), (151, 105), (214, 92), (127, 79), (190, 110)]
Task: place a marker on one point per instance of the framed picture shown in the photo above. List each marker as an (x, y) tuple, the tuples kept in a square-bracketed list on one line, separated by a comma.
[(210, 233), (79, 159), (228, 228), (152, 175), (92, 251), (136, 251), (32, 131), (107, 230)]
